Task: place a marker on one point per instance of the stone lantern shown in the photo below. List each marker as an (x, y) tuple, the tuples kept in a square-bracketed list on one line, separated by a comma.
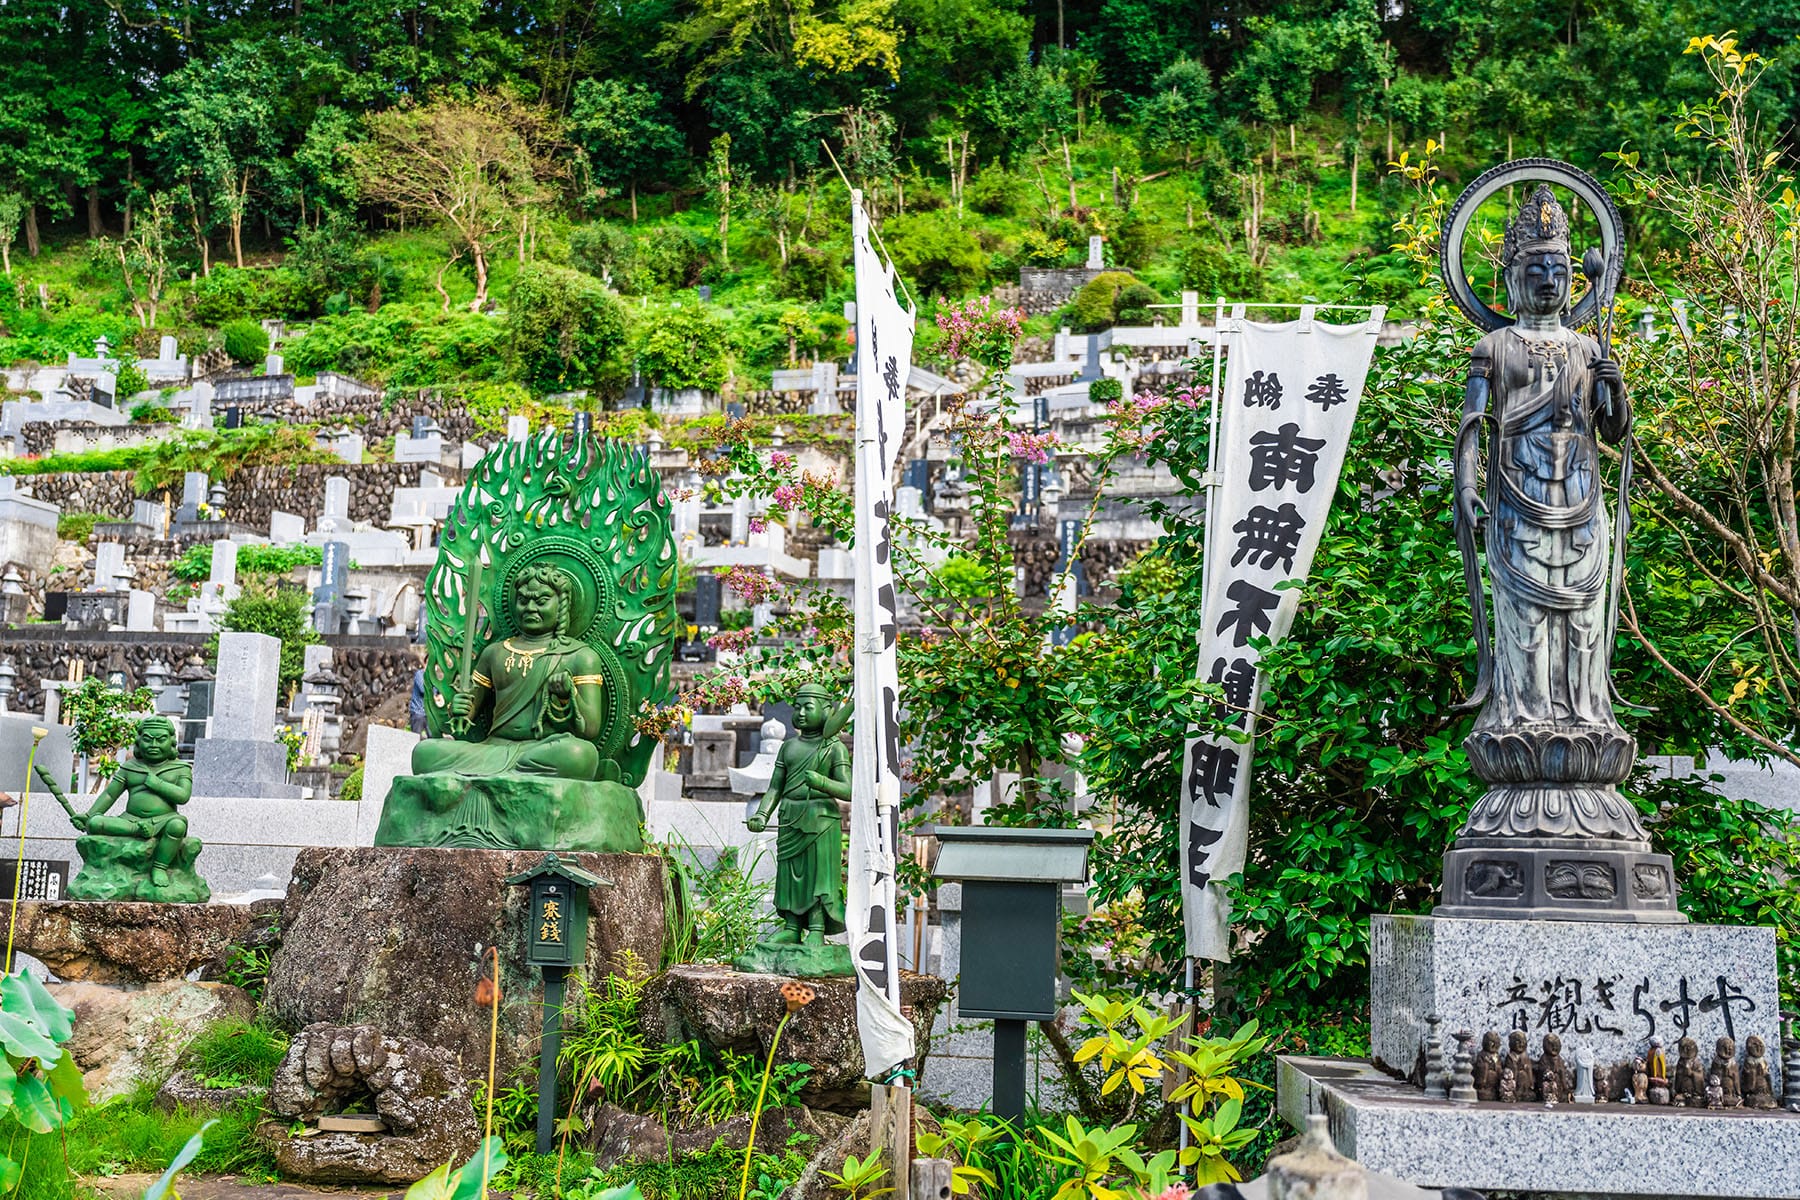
[(8, 684)]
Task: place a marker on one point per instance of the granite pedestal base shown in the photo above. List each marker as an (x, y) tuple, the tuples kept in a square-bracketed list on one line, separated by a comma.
[(1572, 1149), (1547, 880), (1609, 987), (241, 767)]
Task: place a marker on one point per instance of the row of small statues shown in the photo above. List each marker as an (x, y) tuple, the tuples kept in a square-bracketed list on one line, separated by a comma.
[(1514, 1077)]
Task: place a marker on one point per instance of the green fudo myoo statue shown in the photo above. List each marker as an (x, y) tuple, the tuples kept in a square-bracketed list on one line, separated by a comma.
[(812, 774), (550, 626), (540, 690), (144, 853)]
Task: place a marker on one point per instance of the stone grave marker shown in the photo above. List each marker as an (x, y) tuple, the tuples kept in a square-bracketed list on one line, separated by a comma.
[(335, 517), (109, 567), (286, 529), (241, 756), (1096, 260), (272, 365), (140, 611), (334, 582), (193, 495), (167, 349), (518, 428)]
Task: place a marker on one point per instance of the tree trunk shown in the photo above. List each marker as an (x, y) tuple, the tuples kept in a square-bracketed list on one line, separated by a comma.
[(1059, 24), (1355, 166), (34, 244), (1069, 167), (478, 253), (95, 228), (6, 255), (634, 200)]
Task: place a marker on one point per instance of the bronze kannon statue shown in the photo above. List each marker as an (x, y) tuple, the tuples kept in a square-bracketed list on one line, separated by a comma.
[(1553, 837)]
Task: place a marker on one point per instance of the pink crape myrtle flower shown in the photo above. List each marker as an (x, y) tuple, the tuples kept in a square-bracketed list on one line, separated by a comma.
[(758, 524), (977, 330), (787, 495), (1032, 447), (753, 586), (779, 459), (1175, 1191)]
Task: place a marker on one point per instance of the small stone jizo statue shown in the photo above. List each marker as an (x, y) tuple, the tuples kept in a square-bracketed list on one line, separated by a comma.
[(1657, 1066), (1523, 1070), (1759, 1089), (1488, 1067), (811, 778), (1556, 1081), (1690, 1078), (144, 853), (1725, 1066)]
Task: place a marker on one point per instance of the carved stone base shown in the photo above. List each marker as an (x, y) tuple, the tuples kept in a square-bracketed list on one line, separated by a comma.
[(1544, 879), (771, 958), (119, 868), (511, 812)]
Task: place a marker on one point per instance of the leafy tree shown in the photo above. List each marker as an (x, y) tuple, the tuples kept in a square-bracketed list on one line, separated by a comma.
[(220, 133), (625, 132), (324, 175), (473, 165), (936, 252), (685, 348), (284, 613), (143, 256), (564, 330), (12, 207), (1178, 111), (104, 720)]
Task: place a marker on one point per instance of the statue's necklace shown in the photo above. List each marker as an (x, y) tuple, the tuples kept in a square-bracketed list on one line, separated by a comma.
[(518, 657)]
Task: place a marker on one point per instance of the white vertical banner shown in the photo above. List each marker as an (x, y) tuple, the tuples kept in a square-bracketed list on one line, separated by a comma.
[(1285, 413), (884, 334)]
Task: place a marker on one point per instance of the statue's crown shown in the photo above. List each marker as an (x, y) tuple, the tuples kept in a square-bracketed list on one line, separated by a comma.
[(1541, 225)]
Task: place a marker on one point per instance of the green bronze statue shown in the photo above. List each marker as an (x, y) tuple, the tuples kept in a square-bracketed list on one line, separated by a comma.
[(145, 854), (811, 777), (550, 623)]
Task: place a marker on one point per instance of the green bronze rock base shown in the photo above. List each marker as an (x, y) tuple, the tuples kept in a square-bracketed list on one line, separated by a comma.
[(773, 958), (511, 812), (119, 868)]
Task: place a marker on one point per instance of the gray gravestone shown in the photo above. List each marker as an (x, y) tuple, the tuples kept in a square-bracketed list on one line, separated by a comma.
[(707, 594), (193, 495), (286, 529), (223, 572), (241, 757), (336, 514), (109, 566), (140, 611)]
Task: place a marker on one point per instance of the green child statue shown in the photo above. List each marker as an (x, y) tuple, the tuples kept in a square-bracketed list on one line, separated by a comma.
[(812, 774), (146, 853)]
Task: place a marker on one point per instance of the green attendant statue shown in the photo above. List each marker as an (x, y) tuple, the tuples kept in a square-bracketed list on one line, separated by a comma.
[(812, 774), (146, 853), (550, 625)]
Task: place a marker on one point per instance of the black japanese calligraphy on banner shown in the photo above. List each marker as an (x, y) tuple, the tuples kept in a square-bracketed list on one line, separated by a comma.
[(1286, 409), (884, 346)]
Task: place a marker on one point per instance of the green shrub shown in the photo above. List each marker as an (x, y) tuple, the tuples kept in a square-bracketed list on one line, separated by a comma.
[(668, 257), (78, 526), (811, 272), (1105, 391), (1208, 268), (245, 340), (195, 562), (1096, 305), (564, 330), (283, 613), (604, 251), (1133, 304), (130, 380), (402, 345), (936, 252), (994, 191), (685, 348), (150, 412), (352, 787)]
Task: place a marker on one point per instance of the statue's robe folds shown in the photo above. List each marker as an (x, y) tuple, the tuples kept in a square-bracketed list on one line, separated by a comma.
[(809, 847), (1547, 736), (524, 736)]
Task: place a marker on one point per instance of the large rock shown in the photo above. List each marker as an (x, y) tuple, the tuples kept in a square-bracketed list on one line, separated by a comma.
[(124, 1035), (616, 1135), (128, 941), (420, 1091), (732, 1010), (399, 938)]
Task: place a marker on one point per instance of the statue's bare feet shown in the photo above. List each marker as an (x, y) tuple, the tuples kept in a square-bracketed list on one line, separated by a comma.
[(815, 937), (159, 877), (786, 936)]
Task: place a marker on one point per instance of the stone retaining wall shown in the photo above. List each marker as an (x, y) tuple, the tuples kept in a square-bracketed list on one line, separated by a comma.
[(250, 495)]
